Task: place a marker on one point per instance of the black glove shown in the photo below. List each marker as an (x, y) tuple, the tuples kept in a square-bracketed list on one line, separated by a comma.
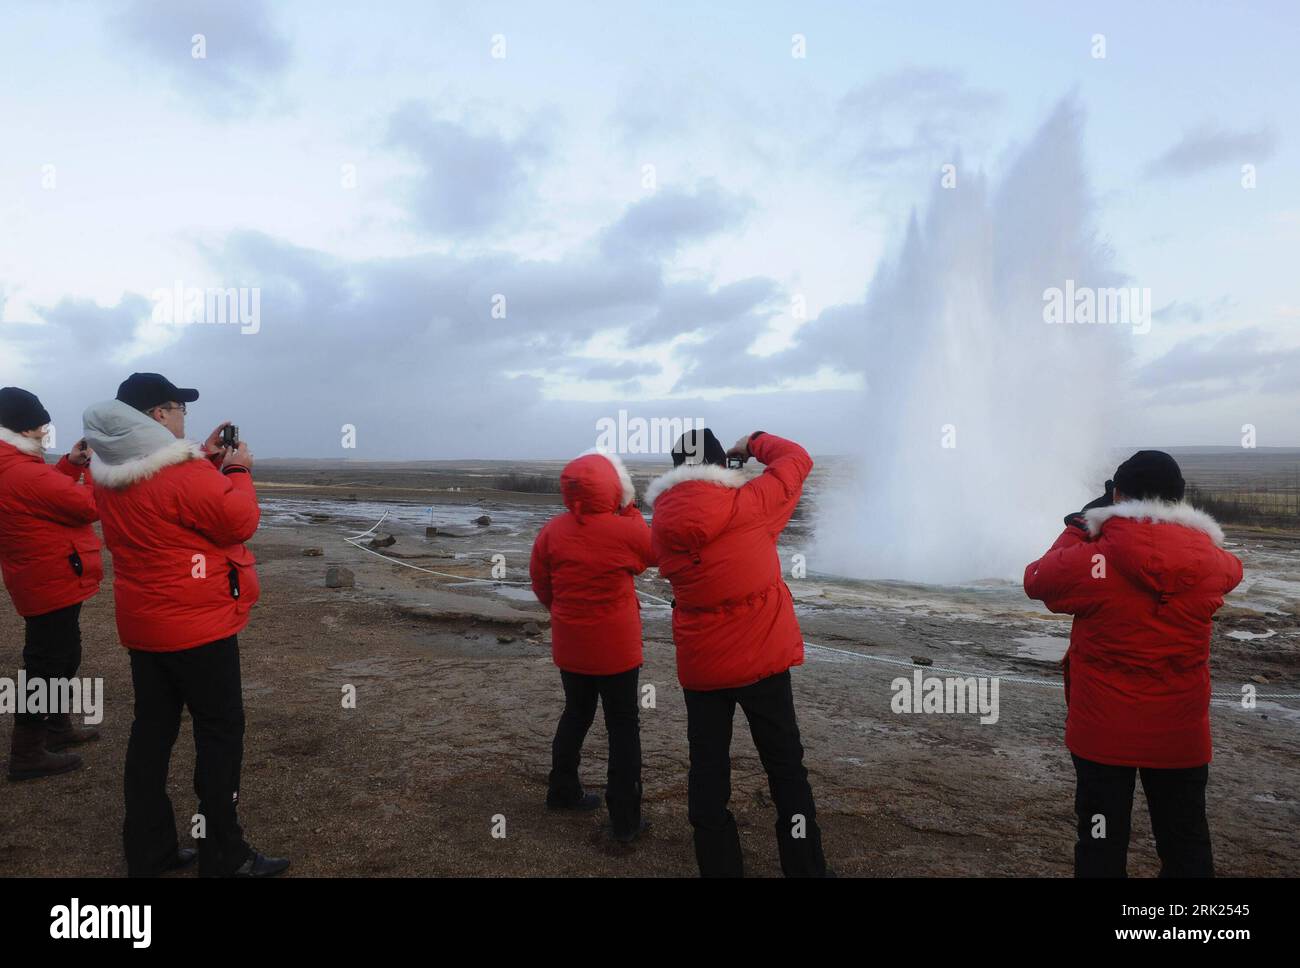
[(1106, 500)]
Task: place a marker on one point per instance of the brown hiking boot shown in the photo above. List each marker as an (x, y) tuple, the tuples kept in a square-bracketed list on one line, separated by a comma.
[(29, 759), (61, 732)]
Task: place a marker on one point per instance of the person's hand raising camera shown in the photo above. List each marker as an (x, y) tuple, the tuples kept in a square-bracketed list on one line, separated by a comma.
[(79, 456), (740, 449), (240, 456)]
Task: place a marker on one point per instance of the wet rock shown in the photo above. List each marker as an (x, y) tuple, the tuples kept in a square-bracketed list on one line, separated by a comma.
[(532, 629), (503, 639), (922, 660), (312, 552), (483, 520), (1260, 679), (383, 541), (431, 532), (337, 576)]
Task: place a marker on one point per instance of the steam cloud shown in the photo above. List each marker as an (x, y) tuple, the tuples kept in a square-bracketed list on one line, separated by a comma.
[(956, 347)]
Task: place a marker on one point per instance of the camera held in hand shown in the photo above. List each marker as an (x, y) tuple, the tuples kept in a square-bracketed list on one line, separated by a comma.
[(230, 436)]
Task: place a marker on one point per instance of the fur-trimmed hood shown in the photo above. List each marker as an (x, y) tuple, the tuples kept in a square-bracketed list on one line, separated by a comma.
[(128, 446), (1157, 512), (31, 446), (624, 478), (596, 483), (691, 518), (1185, 560), (712, 473)]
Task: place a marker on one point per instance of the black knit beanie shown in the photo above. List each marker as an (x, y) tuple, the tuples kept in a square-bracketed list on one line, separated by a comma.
[(21, 411), (699, 447), (1151, 474)]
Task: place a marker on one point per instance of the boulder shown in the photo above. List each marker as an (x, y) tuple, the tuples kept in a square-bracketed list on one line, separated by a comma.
[(336, 576), (483, 520), (383, 541), (312, 552), (532, 629)]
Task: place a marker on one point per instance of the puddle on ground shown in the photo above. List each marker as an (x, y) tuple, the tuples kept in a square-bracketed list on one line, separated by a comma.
[(1044, 648)]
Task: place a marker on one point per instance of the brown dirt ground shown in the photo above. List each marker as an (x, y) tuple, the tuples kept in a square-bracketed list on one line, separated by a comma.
[(453, 727)]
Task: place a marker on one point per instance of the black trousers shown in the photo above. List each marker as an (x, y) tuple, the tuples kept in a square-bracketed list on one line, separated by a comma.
[(1176, 801), (52, 649), (769, 706), (206, 680), (618, 698)]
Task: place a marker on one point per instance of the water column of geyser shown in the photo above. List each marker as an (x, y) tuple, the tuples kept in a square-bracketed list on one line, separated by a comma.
[(982, 424)]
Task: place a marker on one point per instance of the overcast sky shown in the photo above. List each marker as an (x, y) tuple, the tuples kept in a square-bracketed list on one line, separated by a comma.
[(682, 215)]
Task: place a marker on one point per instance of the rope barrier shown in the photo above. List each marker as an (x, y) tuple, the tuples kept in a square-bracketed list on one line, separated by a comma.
[(356, 543), (1026, 680), (1223, 698)]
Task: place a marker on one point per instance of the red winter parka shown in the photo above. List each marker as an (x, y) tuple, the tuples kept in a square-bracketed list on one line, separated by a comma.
[(582, 567), (1142, 584), (176, 527), (49, 553), (714, 536)]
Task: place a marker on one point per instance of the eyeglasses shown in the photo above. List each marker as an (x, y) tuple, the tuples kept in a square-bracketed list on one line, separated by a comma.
[(179, 406)]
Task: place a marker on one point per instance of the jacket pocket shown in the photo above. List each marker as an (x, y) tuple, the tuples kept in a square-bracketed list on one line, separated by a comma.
[(242, 578), (85, 562)]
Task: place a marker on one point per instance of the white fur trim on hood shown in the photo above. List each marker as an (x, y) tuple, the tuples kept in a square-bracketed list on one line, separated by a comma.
[(117, 476), (722, 476), (1159, 512), (31, 446), (624, 478), (129, 446)]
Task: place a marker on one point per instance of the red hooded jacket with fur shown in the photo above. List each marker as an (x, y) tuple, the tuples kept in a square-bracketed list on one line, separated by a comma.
[(582, 566), (45, 529), (714, 535), (1142, 584)]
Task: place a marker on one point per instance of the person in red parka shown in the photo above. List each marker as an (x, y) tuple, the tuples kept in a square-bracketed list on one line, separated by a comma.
[(175, 518), (49, 555), (714, 536), (1142, 572), (582, 569)]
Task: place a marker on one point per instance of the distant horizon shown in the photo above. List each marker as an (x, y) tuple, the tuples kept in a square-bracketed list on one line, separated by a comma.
[(822, 455)]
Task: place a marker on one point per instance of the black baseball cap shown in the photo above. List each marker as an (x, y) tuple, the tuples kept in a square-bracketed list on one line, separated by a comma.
[(144, 391)]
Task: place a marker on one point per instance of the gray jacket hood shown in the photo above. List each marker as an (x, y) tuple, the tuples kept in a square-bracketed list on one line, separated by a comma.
[(130, 446)]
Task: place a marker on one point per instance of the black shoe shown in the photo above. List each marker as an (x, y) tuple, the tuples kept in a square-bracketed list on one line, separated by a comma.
[(185, 856), (259, 865), (584, 804), (632, 835)]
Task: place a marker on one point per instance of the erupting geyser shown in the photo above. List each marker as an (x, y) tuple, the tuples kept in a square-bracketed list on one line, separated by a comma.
[(982, 422)]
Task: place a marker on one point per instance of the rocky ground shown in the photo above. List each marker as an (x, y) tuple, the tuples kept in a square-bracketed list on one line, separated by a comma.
[(456, 702)]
